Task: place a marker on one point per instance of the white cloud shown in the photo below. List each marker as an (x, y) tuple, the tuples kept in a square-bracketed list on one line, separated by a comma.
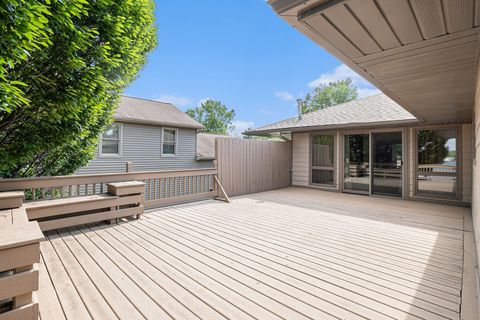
[(284, 95), (342, 72), (240, 127), (175, 100)]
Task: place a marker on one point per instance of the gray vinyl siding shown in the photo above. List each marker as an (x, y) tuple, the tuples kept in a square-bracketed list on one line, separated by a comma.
[(141, 145)]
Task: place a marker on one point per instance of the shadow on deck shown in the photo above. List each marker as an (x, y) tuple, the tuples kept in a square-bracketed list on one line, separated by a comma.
[(292, 253)]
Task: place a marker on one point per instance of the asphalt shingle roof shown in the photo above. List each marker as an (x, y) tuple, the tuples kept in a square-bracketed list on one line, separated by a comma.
[(153, 112), (206, 144), (371, 110)]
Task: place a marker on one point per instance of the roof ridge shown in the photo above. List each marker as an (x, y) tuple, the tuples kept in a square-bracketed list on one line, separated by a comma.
[(218, 134), (134, 109), (280, 121), (349, 102), (151, 100)]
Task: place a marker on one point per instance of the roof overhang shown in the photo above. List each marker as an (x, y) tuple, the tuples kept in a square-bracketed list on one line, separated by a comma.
[(345, 126), (421, 53)]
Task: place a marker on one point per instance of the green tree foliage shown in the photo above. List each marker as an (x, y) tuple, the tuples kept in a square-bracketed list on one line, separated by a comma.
[(432, 147), (332, 94), (357, 146), (214, 116), (63, 65)]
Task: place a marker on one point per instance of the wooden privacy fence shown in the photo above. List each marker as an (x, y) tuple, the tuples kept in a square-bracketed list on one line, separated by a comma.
[(249, 166)]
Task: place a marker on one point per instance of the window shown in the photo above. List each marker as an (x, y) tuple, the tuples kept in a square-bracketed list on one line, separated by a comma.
[(323, 152), (437, 163), (169, 142), (111, 140)]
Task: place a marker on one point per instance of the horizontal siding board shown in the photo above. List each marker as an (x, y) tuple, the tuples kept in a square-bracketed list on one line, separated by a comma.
[(300, 163), (141, 145)]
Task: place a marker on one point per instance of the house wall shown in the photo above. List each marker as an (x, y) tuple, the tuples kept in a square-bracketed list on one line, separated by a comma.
[(301, 160), (141, 145), (476, 168), (411, 148), (467, 158)]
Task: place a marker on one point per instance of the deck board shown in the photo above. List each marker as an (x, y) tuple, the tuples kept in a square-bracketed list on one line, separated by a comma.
[(67, 295), (320, 279), (48, 298), (286, 254), (317, 271)]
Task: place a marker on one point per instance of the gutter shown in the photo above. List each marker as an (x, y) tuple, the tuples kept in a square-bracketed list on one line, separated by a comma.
[(205, 158), (157, 123), (353, 125)]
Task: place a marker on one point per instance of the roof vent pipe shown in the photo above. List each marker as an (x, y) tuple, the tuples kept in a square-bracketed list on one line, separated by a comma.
[(299, 107)]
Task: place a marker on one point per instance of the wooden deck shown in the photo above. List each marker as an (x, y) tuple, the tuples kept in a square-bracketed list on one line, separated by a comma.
[(288, 254)]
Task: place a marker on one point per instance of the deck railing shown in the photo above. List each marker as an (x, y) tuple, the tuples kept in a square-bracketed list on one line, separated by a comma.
[(437, 169), (19, 237), (161, 187)]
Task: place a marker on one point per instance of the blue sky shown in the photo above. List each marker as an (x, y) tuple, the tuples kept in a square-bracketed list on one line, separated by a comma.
[(238, 52)]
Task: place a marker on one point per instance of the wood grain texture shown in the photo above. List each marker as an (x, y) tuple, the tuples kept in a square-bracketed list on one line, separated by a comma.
[(248, 166), (359, 31), (293, 253)]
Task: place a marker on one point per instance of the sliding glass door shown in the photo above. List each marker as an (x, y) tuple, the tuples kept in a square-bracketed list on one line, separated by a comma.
[(387, 163), (357, 163), (373, 163)]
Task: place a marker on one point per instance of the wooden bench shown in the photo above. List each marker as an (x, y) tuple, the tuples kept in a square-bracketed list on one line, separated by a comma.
[(19, 253), (123, 199), (387, 173), (11, 199), (126, 188)]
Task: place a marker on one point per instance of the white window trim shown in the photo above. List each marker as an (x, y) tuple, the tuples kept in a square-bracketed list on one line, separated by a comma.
[(120, 144), (176, 143)]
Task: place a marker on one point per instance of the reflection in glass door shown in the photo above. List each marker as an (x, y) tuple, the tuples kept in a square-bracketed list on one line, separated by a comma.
[(357, 163), (387, 163), (437, 163)]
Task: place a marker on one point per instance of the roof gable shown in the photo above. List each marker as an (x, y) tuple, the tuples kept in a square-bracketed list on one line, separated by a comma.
[(153, 112)]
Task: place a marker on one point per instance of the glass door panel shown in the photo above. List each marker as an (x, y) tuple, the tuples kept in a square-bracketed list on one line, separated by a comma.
[(357, 163), (437, 163), (387, 163)]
